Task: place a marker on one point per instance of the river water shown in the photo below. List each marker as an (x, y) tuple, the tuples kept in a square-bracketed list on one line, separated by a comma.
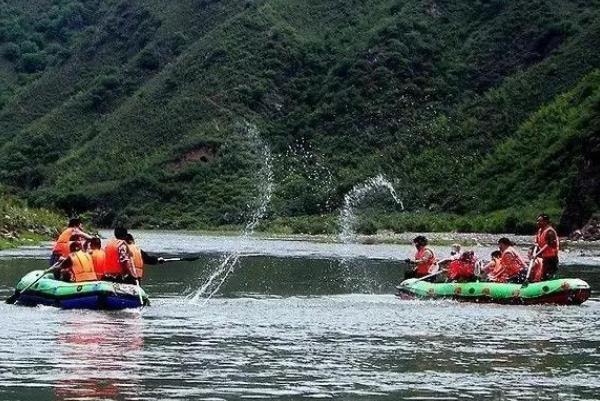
[(295, 320)]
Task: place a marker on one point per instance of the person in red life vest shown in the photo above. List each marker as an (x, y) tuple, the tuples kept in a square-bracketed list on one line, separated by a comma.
[(512, 267), (77, 266), (547, 242), (139, 257), (98, 256), (463, 268), (61, 246), (537, 268), (118, 264), (424, 261)]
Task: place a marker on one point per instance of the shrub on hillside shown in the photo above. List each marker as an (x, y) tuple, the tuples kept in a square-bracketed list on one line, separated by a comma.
[(11, 51)]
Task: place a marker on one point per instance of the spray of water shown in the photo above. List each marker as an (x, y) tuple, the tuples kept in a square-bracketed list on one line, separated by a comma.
[(352, 199), (358, 278), (229, 262)]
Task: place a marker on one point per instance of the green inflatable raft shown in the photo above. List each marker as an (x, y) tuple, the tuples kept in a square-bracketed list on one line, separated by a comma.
[(83, 295), (566, 291)]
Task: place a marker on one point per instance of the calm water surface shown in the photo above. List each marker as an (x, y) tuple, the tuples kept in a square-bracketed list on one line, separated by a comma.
[(311, 324)]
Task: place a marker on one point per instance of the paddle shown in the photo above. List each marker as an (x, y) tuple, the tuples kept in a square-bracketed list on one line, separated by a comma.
[(426, 277), (184, 259), (13, 298), (139, 291), (534, 256)]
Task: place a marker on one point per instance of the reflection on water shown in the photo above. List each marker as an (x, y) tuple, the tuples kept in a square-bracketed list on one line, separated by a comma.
[(346, 346), (89, 346), (297, 328)]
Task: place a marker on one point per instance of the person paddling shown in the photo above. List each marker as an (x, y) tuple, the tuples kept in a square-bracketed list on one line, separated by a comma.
[(118, 263), (140, 258), (511, 268), (425, 262), (547, 242), (61, 246)]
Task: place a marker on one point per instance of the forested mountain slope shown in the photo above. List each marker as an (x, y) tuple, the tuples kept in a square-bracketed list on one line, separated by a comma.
[(139, 110)]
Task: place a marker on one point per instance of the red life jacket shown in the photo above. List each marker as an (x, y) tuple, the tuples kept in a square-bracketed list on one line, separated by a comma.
[(540, 239), (82, 267), (99, 259), (461, 270), (136, 258), (61, 246), (422, 269), (112, 266), (510, 265)]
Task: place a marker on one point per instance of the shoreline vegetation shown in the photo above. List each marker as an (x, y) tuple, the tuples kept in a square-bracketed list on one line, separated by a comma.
[(22, 225)]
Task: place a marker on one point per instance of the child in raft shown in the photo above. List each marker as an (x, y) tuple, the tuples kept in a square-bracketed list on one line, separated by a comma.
[(511, 268), (454, 255), (462, 270), (493, 264)]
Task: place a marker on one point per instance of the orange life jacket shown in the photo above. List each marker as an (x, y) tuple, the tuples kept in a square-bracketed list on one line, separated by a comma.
[(540, 239), (112, 266), (99, 259), (82, 267), (61, 246), (510, 265), (136, 258), (422, 269)]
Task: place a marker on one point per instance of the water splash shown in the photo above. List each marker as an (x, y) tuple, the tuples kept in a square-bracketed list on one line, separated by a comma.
[(229, 262), (356, 276), (352, 199)]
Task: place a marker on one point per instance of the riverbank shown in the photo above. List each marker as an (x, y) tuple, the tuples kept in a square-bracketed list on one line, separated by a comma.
[(21, 225)]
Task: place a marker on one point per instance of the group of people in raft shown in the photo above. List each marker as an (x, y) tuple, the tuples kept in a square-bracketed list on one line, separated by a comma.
[(506, 264), (78, 256)]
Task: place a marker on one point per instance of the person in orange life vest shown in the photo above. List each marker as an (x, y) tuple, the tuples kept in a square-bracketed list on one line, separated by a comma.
[(77, 266), (118, 263), (548, 244), (512, 268), (424, 260), (493, 264), (61, 246), (139, 257), (537, 269), (98, 256), (463, 268)]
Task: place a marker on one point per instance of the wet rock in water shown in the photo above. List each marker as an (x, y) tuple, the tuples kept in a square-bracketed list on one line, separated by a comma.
[(591, 231)]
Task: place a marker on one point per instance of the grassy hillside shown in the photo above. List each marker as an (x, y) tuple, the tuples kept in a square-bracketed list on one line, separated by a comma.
[(138, 110)]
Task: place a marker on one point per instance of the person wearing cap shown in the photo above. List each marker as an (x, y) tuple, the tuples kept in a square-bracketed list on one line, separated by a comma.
[(139, 258)]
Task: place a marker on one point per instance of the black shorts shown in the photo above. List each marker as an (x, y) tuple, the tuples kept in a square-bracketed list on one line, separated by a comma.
[(550, 267)]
